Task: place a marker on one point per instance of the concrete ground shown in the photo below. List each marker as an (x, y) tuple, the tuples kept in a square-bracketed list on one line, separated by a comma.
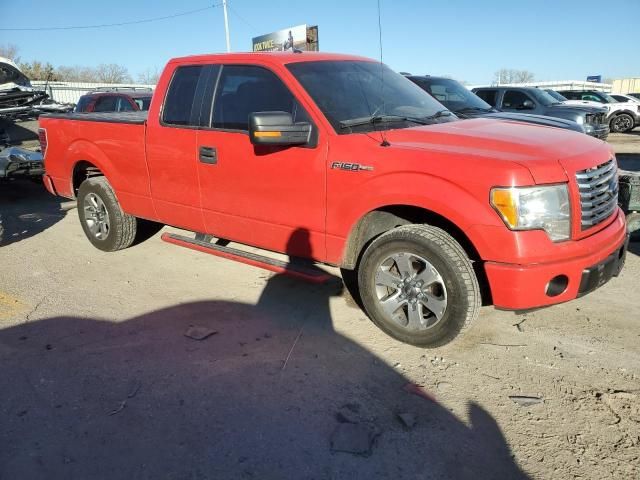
[(98, 379)]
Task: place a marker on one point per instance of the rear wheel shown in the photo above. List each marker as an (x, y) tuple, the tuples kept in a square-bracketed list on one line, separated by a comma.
[(104, 223), (418, 285), (621, 123)]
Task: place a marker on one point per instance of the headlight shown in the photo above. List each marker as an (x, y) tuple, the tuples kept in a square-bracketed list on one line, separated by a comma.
[(580, 120), (535, 208)]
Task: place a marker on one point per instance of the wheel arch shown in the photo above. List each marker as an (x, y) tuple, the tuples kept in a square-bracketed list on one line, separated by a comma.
[(82, 158), (82, 170), (376, 222)]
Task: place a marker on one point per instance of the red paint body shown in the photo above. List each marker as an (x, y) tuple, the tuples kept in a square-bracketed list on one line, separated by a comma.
[(261, 199)]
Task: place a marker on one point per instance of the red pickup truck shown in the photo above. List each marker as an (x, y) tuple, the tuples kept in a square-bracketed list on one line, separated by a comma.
[(341, 160)]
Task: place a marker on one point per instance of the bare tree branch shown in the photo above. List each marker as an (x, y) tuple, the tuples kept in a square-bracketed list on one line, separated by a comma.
[(10, 51)]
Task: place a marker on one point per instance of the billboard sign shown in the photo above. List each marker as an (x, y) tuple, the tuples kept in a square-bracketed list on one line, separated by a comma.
[(594, 78), (300, 37)]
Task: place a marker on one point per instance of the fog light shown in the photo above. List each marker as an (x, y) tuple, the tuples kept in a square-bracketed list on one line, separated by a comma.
[(557, 285)]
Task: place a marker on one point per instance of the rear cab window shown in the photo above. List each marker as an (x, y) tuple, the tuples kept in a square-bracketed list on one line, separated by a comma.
[(183, 101)]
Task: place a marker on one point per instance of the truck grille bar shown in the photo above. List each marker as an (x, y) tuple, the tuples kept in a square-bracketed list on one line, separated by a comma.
[(598, 187)]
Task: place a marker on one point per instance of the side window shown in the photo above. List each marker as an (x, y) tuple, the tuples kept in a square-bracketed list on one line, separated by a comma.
[(83, 103), (124, 105), (106, 103), (591, 98), (488, 96), (514, 99), (243, 89), (182, 104)]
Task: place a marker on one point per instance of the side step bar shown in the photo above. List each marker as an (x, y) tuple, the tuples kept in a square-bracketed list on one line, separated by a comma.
[(303, 272)]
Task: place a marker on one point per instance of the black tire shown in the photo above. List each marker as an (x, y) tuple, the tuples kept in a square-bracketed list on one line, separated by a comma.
[(458, 287), (621, 123), (121, 231)]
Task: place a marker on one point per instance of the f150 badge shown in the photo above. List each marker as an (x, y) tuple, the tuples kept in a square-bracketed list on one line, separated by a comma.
[(352, 167)]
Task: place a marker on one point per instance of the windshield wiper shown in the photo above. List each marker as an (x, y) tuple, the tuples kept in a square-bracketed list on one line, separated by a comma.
[(438, 114), (473, 109), (373, 119)]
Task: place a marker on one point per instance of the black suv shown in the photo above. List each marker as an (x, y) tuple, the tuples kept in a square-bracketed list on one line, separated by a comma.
[(536, 100), (115, 99), (457, 98)]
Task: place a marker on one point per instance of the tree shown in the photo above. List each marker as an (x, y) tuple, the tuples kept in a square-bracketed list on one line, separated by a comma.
[(510, 75), (10, 51), (112, 73), (39, 71), (150, 76)]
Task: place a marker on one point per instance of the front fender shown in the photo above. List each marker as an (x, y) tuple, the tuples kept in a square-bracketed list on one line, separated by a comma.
[(462, 207)]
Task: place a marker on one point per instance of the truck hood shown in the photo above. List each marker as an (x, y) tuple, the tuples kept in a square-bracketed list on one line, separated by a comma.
[(537, 120), (560, 108), (547, 153), (11, 76)]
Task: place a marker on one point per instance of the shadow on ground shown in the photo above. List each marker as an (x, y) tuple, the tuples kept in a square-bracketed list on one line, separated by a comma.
[(26, 209), (89, 398), (18, 133)]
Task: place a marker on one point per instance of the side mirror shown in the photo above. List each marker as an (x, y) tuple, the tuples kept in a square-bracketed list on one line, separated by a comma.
[(527, 105), (277, 128)]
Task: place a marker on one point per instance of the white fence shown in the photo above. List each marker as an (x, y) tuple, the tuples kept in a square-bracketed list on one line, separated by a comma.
[(70, 92), (555, 85)]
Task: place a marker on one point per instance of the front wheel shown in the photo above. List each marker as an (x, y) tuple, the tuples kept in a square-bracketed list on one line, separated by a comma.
[(104, 222), (621, 123), (418, 285)]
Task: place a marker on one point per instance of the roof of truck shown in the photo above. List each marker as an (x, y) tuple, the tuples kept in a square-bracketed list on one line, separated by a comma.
[(270, 57)]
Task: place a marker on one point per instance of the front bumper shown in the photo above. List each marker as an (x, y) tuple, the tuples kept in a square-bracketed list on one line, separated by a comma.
[(523, 287), (598, 131)]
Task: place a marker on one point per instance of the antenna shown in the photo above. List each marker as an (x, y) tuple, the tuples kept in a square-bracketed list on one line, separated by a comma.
[(384, 143), (226, 25)]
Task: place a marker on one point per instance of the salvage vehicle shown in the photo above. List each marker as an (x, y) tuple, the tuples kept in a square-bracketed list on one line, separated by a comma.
[(622, 117), (457, 98), (16, 162), (115, 100), (339, 160), (18, 98), (535, 100)]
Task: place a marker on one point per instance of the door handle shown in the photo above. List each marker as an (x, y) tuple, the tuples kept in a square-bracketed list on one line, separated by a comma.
[(208, 155)]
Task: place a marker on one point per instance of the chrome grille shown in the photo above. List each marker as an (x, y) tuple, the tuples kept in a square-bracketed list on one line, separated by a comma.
[(598, 188)]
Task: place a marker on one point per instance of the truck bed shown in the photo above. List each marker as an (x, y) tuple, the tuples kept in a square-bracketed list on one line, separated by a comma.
[(137, 118)]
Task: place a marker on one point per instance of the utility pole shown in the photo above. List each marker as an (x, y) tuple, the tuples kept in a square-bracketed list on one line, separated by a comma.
[(226, 25)]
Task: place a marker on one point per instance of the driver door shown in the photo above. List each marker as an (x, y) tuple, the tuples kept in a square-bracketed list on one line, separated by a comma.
[(267, 196)]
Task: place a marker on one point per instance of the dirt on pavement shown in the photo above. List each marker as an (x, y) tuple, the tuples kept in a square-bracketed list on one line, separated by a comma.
[(102, 377)]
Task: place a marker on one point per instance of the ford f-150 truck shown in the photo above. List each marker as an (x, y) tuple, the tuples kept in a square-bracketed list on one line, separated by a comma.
[(340, 160)]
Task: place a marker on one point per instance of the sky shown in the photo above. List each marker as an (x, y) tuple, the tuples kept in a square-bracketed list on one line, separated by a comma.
[(467, 40)]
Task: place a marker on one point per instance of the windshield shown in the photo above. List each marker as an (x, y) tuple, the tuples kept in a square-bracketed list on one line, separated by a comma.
[(451, 94), (347, 91), (608, 97), (556, 95), (542, 96)]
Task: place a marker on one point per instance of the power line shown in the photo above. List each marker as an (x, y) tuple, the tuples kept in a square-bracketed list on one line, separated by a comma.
[(105, 25), (241, 18)]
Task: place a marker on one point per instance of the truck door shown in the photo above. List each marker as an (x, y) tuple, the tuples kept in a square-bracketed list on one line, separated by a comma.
[(270, 197), (171, 149)]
